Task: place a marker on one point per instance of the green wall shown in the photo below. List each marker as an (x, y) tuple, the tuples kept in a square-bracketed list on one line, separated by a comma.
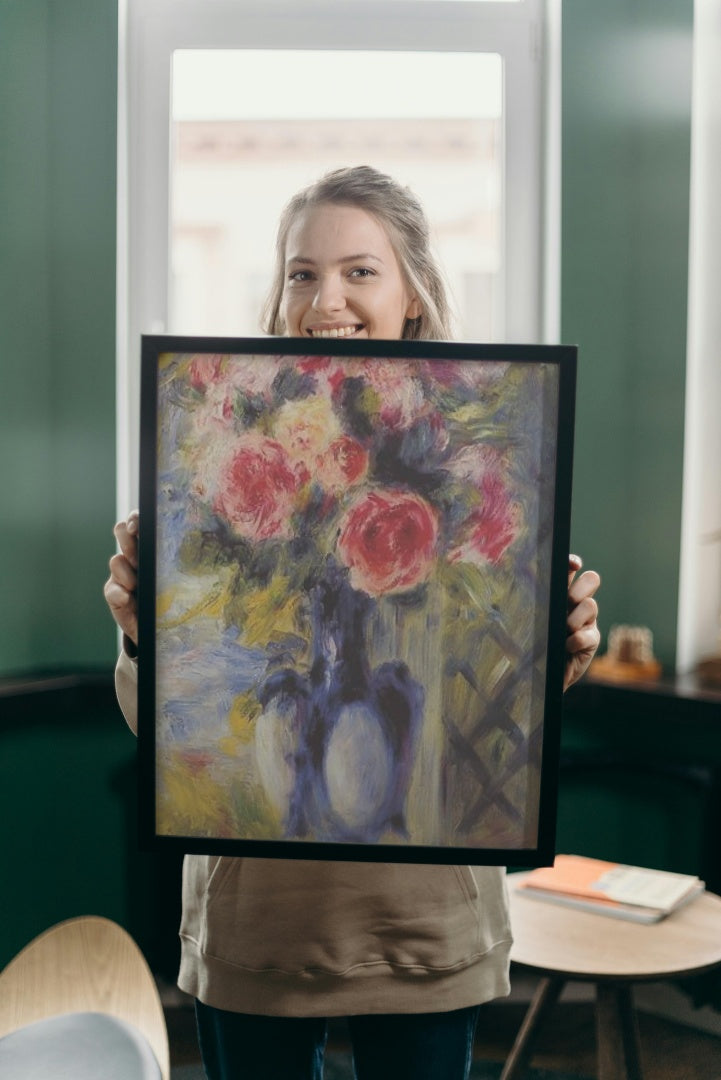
[(58, 72), (641, 780), (68, 800), (626, 136), (625, 200), (67, 773)]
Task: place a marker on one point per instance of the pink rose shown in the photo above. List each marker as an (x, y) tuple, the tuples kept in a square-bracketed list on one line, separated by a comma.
[(477, 462), (257, 489), (306, 428), (492, 527), (230, 374), (388, 540), (205, 369), (399, 391), (342, 464), (254, 376), (471, 374)]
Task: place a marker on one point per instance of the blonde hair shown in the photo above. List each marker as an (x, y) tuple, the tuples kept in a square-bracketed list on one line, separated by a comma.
[(403, 217)]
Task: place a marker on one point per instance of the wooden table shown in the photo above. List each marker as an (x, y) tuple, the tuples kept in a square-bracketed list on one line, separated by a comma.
[(563, 944)]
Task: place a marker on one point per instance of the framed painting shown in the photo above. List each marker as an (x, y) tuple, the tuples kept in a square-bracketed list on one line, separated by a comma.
[(352, 597)]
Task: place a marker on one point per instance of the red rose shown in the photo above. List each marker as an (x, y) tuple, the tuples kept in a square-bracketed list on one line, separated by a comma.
[(257, 488), (326, 370), (388, 540)]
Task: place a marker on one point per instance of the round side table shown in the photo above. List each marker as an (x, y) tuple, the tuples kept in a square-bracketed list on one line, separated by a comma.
[(563, 944)]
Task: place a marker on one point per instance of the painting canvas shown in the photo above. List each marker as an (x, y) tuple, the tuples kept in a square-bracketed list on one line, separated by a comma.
[(353, 565)]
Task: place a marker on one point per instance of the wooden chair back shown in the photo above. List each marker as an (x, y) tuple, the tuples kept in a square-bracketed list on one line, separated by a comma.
[(87, 964)]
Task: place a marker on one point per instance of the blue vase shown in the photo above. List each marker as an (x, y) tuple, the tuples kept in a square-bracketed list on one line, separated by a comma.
[(344, 736)]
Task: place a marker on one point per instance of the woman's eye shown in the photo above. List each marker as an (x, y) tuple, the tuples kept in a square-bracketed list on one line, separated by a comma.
[(362, 272), (300, 276)]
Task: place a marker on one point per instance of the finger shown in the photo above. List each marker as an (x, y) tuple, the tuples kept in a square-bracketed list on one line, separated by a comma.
[(583, 641), (123, 573), (123, 608), (584, 613), (119, 599), (576, 666), (575, 562), (585, 585), (126, 534)]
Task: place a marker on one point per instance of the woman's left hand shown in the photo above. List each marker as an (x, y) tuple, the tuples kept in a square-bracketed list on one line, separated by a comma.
[(582, 633)]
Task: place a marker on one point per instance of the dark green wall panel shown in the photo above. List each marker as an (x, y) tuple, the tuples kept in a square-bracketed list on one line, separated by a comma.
[(26, 483), (63, 789), (58, 77), (68, 798), (626, 146)]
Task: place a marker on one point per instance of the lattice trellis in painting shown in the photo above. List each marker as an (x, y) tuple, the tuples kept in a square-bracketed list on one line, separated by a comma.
[(493, 728)]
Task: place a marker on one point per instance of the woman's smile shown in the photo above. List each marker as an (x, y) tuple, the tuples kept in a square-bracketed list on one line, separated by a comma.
[(335, 331)]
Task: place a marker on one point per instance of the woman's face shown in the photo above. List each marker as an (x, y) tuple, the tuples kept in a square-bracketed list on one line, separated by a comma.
[(342, 277)]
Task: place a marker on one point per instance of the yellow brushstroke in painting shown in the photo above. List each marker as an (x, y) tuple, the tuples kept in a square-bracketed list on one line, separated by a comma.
[(476, 423), (175, 365), (270, 614), (244, 711), (190, 802), (265, 615), (165, 361), (211, 605)]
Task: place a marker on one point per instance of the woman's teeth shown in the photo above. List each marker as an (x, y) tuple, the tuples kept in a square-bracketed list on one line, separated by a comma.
[(335, 332)]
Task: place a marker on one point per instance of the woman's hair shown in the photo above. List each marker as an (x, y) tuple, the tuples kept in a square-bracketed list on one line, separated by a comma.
[(403, 217)]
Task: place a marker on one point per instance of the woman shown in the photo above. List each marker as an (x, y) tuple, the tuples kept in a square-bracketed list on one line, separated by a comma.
[(271, 948)]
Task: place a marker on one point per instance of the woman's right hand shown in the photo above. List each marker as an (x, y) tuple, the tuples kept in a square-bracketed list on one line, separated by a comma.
[(121, 587)]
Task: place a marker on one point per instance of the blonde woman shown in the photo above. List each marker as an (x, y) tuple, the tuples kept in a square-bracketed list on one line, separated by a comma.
[(272, 948)]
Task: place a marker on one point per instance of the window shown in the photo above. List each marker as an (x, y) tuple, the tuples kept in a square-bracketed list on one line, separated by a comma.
[(235, 160), (227, 107)]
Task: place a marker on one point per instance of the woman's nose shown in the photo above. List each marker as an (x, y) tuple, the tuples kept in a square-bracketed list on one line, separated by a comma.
[(329, 295)]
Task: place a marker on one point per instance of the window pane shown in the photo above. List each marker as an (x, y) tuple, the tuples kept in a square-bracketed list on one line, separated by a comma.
[(252, 127), (467, 1)]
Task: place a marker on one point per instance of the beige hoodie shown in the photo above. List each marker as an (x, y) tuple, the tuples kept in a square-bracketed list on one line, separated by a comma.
[(286, 937)]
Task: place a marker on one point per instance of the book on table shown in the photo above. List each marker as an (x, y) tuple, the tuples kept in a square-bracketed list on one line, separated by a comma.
[(609, 888)]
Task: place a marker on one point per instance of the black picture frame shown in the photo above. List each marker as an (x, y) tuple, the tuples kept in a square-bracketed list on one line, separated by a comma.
[(306, 506)]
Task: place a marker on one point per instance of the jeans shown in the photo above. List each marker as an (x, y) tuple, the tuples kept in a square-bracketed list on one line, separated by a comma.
[(415, 1046)]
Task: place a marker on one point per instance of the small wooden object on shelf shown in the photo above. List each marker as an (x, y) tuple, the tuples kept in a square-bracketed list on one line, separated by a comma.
[(708, 671), (629, 657)]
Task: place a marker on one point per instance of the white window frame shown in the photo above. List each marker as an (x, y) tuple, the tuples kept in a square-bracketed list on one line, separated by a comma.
[(699, 596), (526, 34)]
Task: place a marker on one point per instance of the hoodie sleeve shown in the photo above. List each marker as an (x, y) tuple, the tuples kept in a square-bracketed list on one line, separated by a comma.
[(126, 688)]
